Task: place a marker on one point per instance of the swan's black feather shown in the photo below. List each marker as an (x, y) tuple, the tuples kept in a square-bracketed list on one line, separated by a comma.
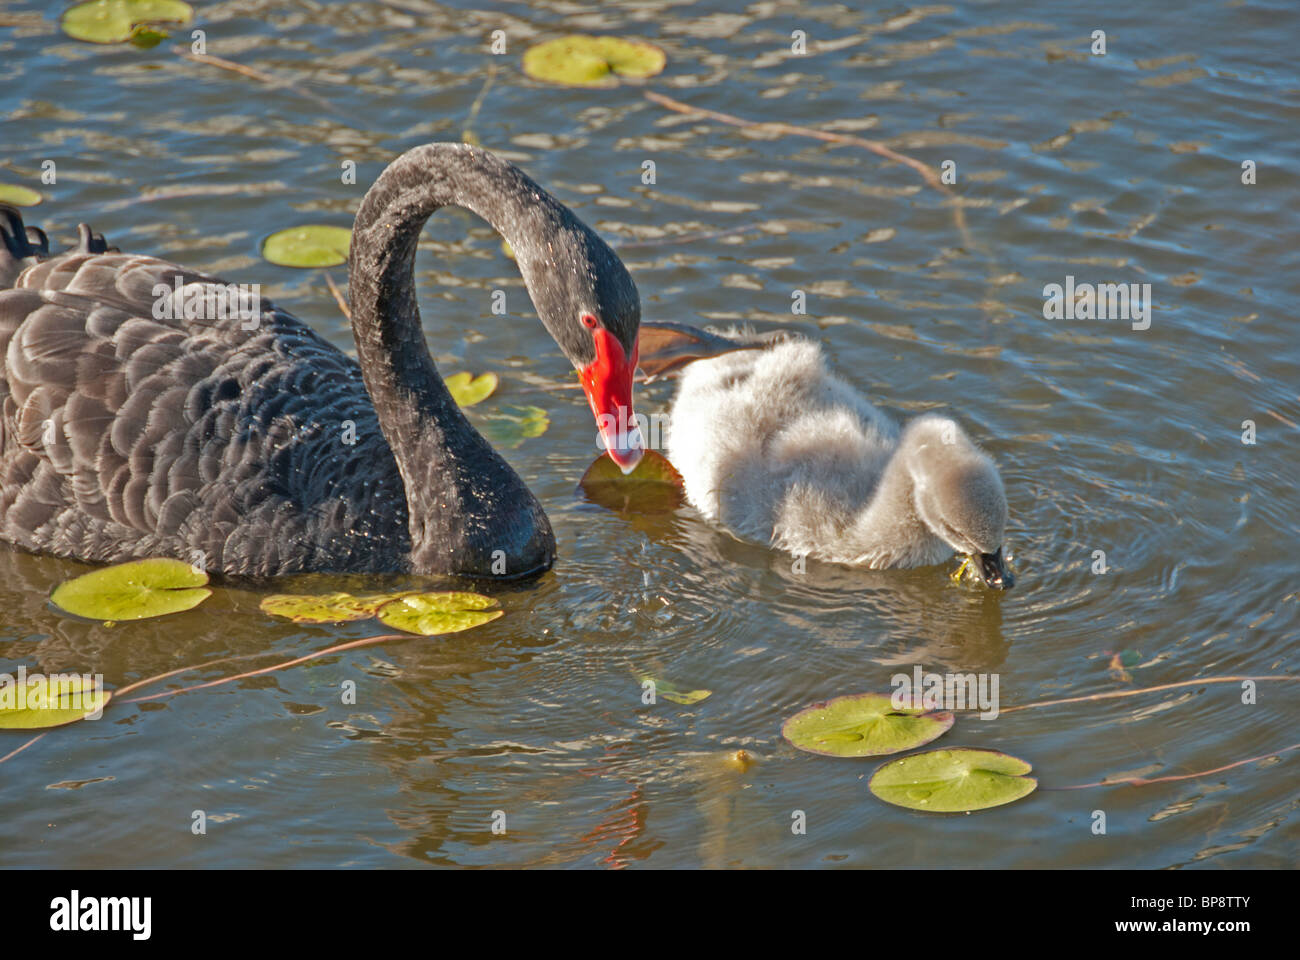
[(124, 436)]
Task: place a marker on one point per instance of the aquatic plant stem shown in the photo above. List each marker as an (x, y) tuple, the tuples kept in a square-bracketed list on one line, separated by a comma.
[(337, 648), (1113, 694), (14, 753), (927, 172), (1143, 781), (338, 296), (254, 74)]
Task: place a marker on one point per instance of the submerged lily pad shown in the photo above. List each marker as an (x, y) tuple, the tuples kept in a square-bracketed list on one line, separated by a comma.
[(146, 38), (953, 781), (115, 21), (583, 61), (313, 245), (429, 614), (19, 196), (654, 486), (510, 426), (467, 391), (676, 694), (863, 725), (327, 607), (49, 701), (133, 591)]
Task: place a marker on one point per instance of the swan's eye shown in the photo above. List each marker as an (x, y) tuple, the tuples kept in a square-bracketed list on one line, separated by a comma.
[(589, 320)]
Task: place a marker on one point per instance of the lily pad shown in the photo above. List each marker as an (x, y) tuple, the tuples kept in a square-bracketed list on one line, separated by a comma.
[(654, 486), (19, 196), (429, 614), (676, 694), (467, 390), (509, 426), (583, 61), (953, 781), (115, 21), (49, 701), (133, 591), (313, 245), (327, 607), (863, 725), (147, 38)]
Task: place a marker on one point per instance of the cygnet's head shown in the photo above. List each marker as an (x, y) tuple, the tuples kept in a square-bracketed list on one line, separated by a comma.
[(958, 494)]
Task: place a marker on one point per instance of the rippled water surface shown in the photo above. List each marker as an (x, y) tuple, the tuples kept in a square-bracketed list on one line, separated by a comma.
[(1117, 168)]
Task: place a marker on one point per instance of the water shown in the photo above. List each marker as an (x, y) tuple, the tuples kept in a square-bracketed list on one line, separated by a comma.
[(1117, 168)]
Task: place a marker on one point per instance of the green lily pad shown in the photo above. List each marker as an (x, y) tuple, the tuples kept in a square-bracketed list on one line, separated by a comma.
[(49, 701), (19, 196), (583, 61), (654, 486), (313, 245), (115, 21), (147, 38), (327, 607), (133, 591), (468, 391), (509, 426), (676, 694), (429, 614), (953, 781), (863, 725)]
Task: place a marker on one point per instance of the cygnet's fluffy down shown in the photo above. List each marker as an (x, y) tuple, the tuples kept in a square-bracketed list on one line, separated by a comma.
[(774, 446)]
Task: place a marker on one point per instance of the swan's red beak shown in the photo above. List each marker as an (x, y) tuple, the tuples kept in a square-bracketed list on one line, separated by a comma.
[(607, 381)]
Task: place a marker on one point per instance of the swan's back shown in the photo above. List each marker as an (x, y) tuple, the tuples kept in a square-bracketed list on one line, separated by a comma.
[(223, 441), (773, 445)]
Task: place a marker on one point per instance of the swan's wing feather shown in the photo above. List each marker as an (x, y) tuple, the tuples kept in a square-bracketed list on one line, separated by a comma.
[(118, 412)]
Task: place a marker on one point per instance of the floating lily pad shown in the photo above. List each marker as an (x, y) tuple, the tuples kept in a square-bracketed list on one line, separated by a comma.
[(19, 196), (327, 607), (509, 426), (654, 486), (429, 614), (49, 701), (308, 246), (863, 725), (468, 391), (115, 21), (953, 781), (133, 591), (583, 61), (676, 694)]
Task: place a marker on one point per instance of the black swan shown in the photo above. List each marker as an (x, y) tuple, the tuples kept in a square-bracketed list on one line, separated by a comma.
[(244, 442), (772, 444)]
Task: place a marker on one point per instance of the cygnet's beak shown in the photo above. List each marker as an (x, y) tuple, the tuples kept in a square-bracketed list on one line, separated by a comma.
[(992, 568)]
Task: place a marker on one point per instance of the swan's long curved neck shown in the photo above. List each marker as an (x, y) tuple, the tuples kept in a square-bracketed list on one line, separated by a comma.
[(399, 371), (444, 461)]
